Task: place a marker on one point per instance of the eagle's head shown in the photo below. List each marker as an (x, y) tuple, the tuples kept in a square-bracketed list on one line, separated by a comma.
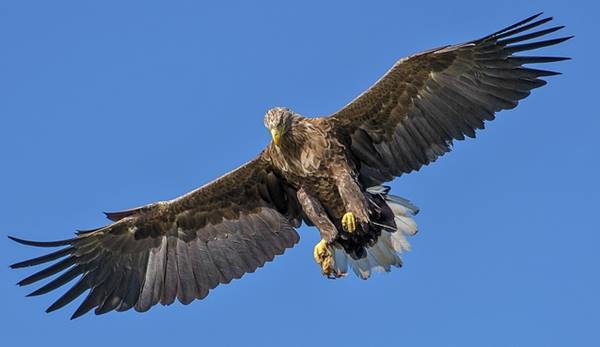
[(278, 121)]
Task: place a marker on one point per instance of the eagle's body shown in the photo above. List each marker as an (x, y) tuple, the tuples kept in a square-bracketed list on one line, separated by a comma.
[(327, 172), (312, 159), (317, 162)]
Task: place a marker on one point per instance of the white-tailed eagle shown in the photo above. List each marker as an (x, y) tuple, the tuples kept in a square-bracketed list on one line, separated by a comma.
[(328, 172)]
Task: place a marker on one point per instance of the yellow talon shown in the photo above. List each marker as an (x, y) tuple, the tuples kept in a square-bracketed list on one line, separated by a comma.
[(322, 251), (349, 222), (324, 257)]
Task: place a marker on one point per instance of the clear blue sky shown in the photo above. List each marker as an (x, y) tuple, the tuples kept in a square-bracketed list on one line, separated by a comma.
[(111, 104)]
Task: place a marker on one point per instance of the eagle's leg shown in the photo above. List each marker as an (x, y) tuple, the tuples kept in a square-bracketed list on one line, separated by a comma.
[(353, 198), (323, 251)]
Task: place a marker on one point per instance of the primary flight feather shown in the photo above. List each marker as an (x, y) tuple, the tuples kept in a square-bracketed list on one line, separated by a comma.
[(327, 172)]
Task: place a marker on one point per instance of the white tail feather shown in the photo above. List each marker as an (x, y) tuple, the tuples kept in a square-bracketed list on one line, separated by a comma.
[(340, 259), (380, 257), (386, 252), (406, 224)]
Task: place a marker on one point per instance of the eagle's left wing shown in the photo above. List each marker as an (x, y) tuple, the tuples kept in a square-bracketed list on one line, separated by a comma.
[(410, 116), (175, 249)]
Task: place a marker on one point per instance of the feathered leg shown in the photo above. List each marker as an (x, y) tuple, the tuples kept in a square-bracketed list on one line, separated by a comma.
[(323, 252), (353, 197)]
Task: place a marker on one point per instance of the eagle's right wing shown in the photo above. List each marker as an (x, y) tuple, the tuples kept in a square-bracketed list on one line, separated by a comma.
[(180, 248)]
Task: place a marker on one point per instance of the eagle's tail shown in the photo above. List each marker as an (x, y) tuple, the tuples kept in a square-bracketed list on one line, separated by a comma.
[(392, 241)]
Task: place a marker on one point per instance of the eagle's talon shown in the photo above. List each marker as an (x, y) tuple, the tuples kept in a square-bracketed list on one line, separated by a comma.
[(322, 251), (323, 254), (349, 222)]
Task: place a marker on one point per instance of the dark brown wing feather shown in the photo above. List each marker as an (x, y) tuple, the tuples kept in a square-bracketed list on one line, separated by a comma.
[(176, 249), (411, 115)]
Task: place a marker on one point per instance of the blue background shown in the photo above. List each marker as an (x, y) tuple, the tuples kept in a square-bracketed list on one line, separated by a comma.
[(112, 104)]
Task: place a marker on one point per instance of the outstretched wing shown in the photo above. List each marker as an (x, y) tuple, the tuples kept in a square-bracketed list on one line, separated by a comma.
[(180, 248), (411, 115)]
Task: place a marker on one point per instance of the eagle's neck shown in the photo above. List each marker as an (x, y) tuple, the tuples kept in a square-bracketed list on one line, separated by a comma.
[(298, 133), (301, 148)]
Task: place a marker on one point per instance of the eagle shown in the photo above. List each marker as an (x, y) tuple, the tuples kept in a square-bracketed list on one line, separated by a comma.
[(328, 172)]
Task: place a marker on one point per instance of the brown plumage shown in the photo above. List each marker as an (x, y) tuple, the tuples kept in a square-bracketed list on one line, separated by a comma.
[(326, 171)]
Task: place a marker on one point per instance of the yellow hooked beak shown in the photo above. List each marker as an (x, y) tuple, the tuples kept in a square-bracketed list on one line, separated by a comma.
[(276, 136)]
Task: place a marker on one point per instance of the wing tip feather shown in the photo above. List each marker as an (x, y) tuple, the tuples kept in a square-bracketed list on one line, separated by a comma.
[(41, 243), (519, 24)]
